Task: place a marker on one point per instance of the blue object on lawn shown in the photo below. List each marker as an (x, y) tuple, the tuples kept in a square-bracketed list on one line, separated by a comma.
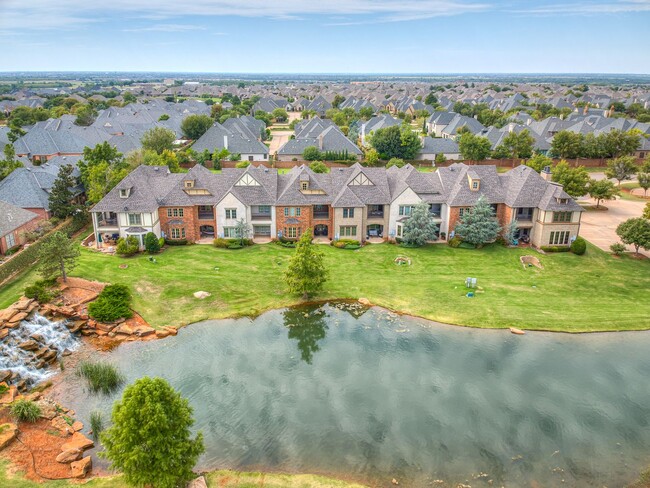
[(470, 294)]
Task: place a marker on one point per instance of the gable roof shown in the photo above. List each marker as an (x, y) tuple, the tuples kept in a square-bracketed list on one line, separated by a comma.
[(12, 217)]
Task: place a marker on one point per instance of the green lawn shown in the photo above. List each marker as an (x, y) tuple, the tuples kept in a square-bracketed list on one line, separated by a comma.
[(594, 292)]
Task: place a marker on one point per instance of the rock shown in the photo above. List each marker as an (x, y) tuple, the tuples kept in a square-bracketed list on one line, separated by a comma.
[(61, 424), (105, 327), (5, 374), (162, 333), (125, 329), (364, 301), (49, 356), (198, 483), (16, 319), (8, 433), (68, 456), (23, 303), (395, 482), (77, 426), (9, 396), (81, 468), (3, 333), (144, 331), (516, 331), (37, 337), (172, 330), (78, 441), (30, 345), (48, 408), (201, 295)]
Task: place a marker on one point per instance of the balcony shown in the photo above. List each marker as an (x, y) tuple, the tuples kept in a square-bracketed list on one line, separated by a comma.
[(524, 215), (375, 211), (112, 222), (261, 216), (321, 212), (206, 212)]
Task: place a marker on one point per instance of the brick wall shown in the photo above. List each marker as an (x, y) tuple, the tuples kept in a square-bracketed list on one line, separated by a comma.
[(304, 221), (189, 222), (19, 234)]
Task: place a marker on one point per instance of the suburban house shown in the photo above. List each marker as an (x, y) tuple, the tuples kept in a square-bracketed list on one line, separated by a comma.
[(349, 202), (238, 135), (320, 133), (14, 222), (433, 146), (29, 187), (381, 121)]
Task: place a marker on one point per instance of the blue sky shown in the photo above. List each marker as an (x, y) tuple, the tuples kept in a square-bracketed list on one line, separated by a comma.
[(324, 36)]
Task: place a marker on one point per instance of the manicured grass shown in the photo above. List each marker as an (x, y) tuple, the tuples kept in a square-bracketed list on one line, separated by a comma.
[(594, 292)]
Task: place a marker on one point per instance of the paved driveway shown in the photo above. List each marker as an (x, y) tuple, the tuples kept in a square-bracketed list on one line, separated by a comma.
[(599, 227)]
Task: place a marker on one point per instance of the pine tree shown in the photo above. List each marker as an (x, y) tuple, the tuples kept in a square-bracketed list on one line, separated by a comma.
[(58, 256), (306, 272), (479, 226), (61, 196), (420, 227)]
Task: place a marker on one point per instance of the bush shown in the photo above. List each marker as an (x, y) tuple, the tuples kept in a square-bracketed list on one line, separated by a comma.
[(346, 244), (13, 250), (176, 242), (128, 246), (151, 243), (555, 248), (617, 248), (25, 410), (579, 246), (455, 241), (101, 377), (395, 162), (41, 290), (221, 243), (235, 245), (243, 164), (112, 303), (161, 242)]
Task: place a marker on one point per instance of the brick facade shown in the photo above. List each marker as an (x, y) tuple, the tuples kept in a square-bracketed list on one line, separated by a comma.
[(304, 221), (19, 234), (189, 221)]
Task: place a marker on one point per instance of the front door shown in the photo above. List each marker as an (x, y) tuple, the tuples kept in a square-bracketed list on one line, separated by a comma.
[(321, 230)]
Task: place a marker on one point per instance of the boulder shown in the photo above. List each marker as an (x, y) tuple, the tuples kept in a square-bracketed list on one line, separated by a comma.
[(23, 303), (201, 294), (162, 333), (198, 483), (62, 425), (30, 345), (172, 330), (105, 327), (77, 426), (8, 433), (9, 396), (16, 319), (5, 374), (124, 329), (48, 408), (3, 333), (516, 331), (69, 456), (364, 301), (78, 441), (144, 331), (81, 468)]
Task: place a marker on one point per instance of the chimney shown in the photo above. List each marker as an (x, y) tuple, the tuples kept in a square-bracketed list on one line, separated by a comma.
[(225, 142), (320, 142), (585, 111), (546, 173)]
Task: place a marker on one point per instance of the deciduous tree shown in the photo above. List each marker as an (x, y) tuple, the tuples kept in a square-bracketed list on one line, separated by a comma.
[(621, 168), (158, 139), (538, 162), (474, 148), (194, 126), (311, 153), (306, 271), (601, 190), (635, 232), (644, 181), (574, 180), (567, 144), (150, 440)]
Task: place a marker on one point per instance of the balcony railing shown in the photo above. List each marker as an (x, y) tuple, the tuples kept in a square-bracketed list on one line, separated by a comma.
[(321, 215), (525, 217), (206, 215), (261, 216), (376, 214), (107, 222)]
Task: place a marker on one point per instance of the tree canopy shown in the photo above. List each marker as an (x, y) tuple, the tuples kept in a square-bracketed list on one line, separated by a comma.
[(58, 256), (602, 190), (635, 232), (472, 147), (420, 226), (479, 225), (60, 197), (9, 163), (158, 139), (621, 168), (102, 168), (574, 180), (150, 440), (194, 126), (396, 142), (306, 271)]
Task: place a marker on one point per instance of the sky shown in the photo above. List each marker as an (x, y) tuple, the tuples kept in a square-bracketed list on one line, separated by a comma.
[(326, 36)]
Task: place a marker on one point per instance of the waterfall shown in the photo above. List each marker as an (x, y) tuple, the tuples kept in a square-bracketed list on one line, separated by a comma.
[(29, 349)]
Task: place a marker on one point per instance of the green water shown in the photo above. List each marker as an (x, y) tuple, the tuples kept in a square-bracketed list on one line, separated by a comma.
[(367, 395)]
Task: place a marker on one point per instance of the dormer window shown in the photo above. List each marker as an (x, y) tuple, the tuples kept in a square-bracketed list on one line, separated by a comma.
[(474, 181), (475, 185), (304, 185), (188, 183), (124, 192)]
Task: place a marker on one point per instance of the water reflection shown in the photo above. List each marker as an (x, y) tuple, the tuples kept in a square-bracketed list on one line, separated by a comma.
[(308, 327)]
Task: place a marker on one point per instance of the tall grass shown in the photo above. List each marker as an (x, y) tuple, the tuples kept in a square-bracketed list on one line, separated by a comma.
[(96, 424), (25, 410), (101, 377)]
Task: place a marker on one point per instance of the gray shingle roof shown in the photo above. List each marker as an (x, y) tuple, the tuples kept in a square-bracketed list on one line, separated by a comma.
[(12, 217)]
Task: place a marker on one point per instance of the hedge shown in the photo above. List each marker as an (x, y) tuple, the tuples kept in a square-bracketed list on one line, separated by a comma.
[(555, 248), (28, 256)]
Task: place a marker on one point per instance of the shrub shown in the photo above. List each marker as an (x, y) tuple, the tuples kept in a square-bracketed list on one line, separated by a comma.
[(161, 242), (579, 246), (151, 243), (128, 246), (346, 244), (319, 167), (555, 248), (25, 410), (96, 424), (235, 245), (455, 241), (617, 248), (41, 290), (101, 377), (395, 162), (112, 303), (243, 164), (3, 389), (176, 242), (13, 250), (221, 243)]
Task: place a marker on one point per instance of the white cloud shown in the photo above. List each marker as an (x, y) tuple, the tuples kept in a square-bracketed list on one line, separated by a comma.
[(49, 14), (167, 28), (590, 8)]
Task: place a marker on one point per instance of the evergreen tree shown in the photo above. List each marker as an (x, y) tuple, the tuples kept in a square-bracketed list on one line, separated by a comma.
[(61, 196), (420, 226), (9, 163), (306, 272), (58, 256), (479, 226), (149, 440)]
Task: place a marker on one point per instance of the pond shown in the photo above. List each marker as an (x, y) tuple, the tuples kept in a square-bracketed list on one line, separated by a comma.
[(367, 395)]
